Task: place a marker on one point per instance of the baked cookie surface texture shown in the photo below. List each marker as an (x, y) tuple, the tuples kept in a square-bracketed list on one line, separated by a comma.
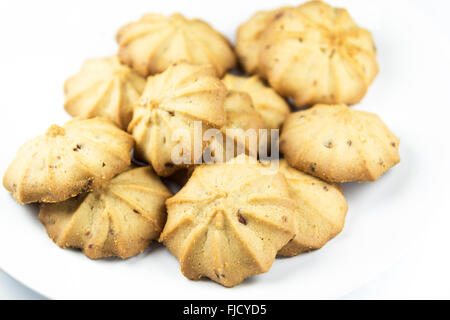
[(68, 160), (229, 221), (104, 87), (240, 133), (120, 218), (320, 212), (166, 114), (270, 105), (312, 53), (155, 42), (339, 144)]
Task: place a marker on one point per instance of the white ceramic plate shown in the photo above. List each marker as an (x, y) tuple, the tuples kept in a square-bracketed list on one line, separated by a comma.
[(384, 220)]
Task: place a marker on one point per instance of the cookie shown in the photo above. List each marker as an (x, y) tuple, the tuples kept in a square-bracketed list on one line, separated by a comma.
[(68, 160), (320, 212), (155, 42), (244, 137), (106, 88), (339, 144), (240, 133), (312, 53), (170, 104), (249, 38), (270, 105), (229, 221), (120, 218)]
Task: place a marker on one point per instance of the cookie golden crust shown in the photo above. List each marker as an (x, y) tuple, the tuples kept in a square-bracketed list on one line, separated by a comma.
[(240, 112), (106, 88), (171, 102), (272, 108), (119, 219), (155, 42), (320, 212), (239, 135), (313, 53), (339, 144), (249, 38), (68, 160), (241, 130), (229, 221)]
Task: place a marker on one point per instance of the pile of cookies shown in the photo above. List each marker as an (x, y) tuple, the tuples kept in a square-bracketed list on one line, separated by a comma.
[(97, 177)]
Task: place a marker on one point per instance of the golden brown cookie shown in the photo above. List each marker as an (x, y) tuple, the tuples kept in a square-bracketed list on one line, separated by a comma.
[(68, 160), (229, 221), (120, 218), (249, 38), (240, 134), (155, 42), (172, 101), (270, 105), (313, 53), (106, 88), (339, 144), (320, 212)]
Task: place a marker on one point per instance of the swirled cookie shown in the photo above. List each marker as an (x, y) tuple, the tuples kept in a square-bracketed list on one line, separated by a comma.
[(229, 221), (68, 160), (165, 117), (339, 144), (240, 134), (270, 105), (120, 218), (106, 88), (155, 42), (320, 212), (249, 38), (313, 53)]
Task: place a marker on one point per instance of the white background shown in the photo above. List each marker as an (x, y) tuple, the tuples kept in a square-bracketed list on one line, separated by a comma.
[(423, 273)]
